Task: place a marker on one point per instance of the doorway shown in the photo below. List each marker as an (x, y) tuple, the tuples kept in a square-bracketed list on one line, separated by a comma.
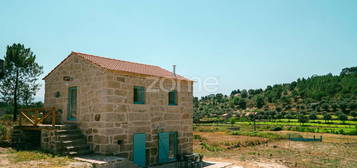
[(139, 151), (167, 147), (72, 104)]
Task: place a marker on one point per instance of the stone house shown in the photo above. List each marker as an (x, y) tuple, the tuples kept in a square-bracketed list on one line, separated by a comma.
[(138, 111)]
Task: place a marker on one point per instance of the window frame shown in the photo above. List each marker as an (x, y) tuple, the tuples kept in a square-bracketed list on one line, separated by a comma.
[(141, 94), (72, 104), (175, 98)]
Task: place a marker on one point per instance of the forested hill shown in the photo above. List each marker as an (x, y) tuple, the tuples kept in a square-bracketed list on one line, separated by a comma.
[(318, 93)]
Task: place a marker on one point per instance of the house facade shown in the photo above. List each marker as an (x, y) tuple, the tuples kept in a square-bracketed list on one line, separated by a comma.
[(138, 111)]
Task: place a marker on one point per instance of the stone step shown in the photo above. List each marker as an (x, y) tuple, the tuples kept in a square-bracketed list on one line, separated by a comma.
[(66, 137), (77, 147), (69, 126), (74, 142), (69, 131), (79, 152)]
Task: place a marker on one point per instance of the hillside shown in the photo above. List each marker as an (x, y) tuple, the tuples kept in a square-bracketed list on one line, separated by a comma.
[(316, 94)]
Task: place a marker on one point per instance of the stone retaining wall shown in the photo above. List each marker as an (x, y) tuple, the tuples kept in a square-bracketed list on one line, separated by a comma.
[(50, 141)]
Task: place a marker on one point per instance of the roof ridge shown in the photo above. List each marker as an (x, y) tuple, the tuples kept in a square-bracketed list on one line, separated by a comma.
[(79, 53), (121, 65)]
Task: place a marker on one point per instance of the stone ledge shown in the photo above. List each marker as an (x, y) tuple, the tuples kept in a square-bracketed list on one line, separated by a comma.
[(103, 161)]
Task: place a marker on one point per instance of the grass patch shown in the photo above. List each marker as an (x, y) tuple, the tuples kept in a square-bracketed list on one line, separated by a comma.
[(23, 156), (211, 148), (269, 135)]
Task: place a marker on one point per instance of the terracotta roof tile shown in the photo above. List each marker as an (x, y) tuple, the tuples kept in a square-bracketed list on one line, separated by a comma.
[(119, 65)]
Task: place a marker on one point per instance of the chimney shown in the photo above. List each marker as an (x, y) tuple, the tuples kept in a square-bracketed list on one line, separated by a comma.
[(174, 70)]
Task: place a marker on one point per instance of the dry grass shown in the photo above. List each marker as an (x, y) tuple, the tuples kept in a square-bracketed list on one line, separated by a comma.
[(334, 151), (225, 141), (11, 158)]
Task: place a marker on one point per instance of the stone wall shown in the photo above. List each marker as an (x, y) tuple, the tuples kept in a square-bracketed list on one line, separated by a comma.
[(87, 77), (107, 113), (50, 141), (119, 118)]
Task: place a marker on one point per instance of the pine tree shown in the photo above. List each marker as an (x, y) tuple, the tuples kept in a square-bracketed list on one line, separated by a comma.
[(19, 83)]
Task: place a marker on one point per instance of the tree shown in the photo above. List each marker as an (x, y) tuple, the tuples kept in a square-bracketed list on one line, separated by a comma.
[(327, 116), (354, 114), (232, 121), (242, 104), (325, 106), (289, 116), (344, 106), (259, 102), (349, 71), (342, 117), (303, 119), (19, 83), (244, 93), (313, 116), (2, 68), (234, 92), (253, 117), (235, 101)]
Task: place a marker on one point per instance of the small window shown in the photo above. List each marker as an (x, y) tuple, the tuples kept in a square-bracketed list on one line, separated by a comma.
[(173, 98), (139, 95)]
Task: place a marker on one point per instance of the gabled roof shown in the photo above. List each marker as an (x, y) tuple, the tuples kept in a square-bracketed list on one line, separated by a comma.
[(124, 66)]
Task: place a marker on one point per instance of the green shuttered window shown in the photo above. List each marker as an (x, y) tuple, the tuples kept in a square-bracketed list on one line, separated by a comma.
[(139, 95), (173, 97)]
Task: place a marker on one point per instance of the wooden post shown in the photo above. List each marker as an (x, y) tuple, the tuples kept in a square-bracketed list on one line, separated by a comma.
[(53, 116), (36, 117), (321, 138)]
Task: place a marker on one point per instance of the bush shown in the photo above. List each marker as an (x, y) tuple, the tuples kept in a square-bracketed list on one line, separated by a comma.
[(276, 129), (3, 132), (303, 119), (260, 134), (211, 148), (198, 137), (6, 117)]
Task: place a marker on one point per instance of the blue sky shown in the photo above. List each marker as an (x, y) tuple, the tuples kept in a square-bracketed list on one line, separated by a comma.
[(244, 44)]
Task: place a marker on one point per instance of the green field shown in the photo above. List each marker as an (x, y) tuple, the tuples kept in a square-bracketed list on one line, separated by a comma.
[(316, 126)]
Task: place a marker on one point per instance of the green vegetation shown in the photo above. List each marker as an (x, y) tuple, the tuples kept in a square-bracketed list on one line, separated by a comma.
[(317, 95), (13, 158), (326, 103), (19, 82), (269, 135), (23, 156), (267, 147)]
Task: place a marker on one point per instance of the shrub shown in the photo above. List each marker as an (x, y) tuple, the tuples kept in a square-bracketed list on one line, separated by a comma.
[(198, 137), (6, 117), (303, 119), (313, 116), (211, 148), (276, 129), (3, 132), (342, 117), (260, 134)]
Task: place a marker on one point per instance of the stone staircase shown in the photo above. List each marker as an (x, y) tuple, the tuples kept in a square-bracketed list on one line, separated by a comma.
[(72, 140)]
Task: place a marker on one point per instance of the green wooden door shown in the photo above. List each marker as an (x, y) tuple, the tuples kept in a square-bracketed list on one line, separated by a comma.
[(139, 151), (167, 147), (72, 103)]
